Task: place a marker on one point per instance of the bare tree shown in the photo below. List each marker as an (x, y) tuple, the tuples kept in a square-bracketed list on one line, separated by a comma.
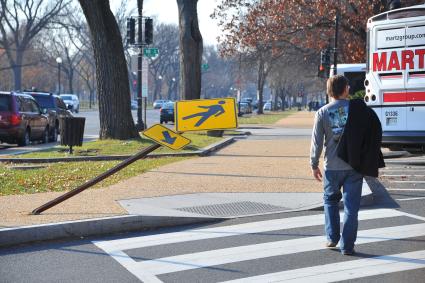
[(111, 71), (214, 83), (190, 50), (164, 67), (21, 21)]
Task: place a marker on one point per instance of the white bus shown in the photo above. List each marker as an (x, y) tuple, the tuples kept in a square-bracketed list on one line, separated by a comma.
[(355, 73), (395, 77)]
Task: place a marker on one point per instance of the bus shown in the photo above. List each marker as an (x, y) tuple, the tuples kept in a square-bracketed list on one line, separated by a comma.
[(395, 75), (355, 73)]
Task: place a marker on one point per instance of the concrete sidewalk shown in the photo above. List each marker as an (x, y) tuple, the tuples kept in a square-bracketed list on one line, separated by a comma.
[(262, 173)]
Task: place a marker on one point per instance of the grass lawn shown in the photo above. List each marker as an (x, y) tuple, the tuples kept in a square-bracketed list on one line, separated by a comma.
[(64, 176), (118, 147), (266, 118)]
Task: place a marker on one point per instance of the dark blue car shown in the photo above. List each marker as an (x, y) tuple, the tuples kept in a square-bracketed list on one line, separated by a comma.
[(166, 114)]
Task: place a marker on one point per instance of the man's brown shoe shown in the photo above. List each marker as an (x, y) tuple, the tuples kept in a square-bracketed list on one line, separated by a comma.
[(331, 245)]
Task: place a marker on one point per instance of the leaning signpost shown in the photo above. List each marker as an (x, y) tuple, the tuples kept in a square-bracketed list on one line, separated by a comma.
[(190, 115)]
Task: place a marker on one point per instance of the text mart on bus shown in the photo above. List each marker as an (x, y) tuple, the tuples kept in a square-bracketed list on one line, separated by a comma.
[(395, 78)]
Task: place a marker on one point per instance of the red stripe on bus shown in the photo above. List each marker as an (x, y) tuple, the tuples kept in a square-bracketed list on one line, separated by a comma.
[(415, 96), (391, 77), (404, 96), (417, 75), (394, 97)]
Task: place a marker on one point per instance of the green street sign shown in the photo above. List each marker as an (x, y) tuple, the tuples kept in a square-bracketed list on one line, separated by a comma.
[(205, 67), (150, 52)]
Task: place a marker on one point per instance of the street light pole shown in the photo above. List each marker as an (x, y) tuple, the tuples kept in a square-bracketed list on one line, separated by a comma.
[(336, 43), (59, 61), (140, 124)]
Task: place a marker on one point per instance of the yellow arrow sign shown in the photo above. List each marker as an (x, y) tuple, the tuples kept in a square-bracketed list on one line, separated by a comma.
[(205, 114), (166, 137)]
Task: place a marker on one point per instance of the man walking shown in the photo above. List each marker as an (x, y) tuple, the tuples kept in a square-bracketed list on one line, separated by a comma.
[(330, 121)]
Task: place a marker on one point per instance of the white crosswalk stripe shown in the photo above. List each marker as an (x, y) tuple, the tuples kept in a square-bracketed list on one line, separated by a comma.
[(149, 270), (234, 230), (344, 270)]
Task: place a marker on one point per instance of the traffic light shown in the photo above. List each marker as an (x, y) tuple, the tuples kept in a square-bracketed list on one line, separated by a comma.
[(322, 67), (131, 30), (325, 63), (148, 31)]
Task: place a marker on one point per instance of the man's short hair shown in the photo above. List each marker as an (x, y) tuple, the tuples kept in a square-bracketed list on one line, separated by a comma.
[(336, 85)]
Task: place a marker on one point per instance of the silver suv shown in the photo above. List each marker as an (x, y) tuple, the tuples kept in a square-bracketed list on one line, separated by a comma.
[(71, 101)]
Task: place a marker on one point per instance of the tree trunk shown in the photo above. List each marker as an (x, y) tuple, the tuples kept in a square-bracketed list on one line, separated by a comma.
[(260, 84), (190, 50), (276, 100), (17, 70), (113, 89), (70, 79)]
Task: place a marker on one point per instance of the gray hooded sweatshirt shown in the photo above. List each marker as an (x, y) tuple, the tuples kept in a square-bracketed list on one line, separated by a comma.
[(329, 124)]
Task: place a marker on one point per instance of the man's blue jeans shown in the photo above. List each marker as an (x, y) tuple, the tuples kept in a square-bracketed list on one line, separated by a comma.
[(352, 182)]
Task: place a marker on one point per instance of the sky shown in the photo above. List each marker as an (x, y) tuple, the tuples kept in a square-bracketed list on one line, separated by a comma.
[(166, 12)]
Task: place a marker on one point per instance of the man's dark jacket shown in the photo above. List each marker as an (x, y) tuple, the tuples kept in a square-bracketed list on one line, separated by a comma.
[(360, 144)]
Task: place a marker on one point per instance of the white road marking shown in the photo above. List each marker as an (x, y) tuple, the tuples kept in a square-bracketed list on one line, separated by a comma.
[(400, 176), (233, 230), (264, 250), (344, 270), (403, 169), (407, 190), (406, 199), (409, 182), (148, 270)]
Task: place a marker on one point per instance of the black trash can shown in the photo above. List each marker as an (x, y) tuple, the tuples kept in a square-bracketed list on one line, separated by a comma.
[(71, 131)]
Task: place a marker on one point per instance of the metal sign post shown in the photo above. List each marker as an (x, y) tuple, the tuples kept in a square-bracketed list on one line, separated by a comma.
[(142, 154), (160, 134)]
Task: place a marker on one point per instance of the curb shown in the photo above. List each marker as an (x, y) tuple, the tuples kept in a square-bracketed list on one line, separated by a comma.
[(204, 152), (395, 154), (124, 223), (92, 227), (406, 162)]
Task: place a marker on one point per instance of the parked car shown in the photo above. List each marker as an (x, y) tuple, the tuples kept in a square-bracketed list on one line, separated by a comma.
[(21, 119), (248, 104), (134, 105), (244, 108), (267, 106), (247, 99), (72, 102), (166, 114), (55, 108), (157, 104)]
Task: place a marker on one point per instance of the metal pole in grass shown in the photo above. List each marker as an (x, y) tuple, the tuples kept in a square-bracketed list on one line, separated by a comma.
[(142, 154)]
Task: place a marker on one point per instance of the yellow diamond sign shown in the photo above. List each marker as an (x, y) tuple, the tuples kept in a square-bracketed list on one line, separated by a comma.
[(166, 137), (205, 114)]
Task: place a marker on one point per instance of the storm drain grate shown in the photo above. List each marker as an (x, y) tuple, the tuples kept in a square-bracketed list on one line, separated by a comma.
[(233, 209)]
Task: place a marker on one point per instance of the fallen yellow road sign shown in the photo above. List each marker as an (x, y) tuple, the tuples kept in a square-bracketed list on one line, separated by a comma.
[(166, 137)]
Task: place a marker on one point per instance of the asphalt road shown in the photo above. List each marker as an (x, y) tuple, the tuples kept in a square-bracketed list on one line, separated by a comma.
[(92, 120), (390, 248), (91, 131)]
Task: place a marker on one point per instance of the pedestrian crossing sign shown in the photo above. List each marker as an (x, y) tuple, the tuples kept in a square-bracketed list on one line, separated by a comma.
[(166, 137), (205, 114)]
